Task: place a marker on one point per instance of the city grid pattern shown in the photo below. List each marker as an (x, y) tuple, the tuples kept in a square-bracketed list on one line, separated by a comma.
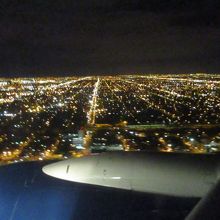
[(41, 118)]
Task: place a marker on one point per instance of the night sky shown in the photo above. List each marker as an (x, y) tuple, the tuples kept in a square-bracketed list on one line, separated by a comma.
[(43, 37)]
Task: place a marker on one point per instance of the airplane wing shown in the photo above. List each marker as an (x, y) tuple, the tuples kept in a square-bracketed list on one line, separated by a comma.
[(208, 208)]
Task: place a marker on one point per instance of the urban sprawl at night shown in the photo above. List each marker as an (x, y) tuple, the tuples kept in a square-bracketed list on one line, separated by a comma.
[(61, 117)]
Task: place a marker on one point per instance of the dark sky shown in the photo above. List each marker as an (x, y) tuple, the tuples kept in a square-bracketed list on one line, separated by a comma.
[(46, 37)]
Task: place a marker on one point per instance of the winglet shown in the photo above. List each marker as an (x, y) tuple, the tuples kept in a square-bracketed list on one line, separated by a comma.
[(208, 208)]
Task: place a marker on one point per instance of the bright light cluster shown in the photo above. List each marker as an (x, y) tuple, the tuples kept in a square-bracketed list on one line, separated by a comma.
[(38, 114)]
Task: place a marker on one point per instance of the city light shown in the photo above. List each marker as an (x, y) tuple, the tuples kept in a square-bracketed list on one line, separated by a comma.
[(55, 118)]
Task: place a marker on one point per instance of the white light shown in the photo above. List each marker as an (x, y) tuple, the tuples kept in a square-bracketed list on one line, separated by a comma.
[(116, 177)]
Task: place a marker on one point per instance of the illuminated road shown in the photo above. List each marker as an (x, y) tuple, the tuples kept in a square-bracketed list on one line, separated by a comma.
[(93, 103)]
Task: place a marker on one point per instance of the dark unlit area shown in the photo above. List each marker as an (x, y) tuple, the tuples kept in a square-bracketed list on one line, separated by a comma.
[(65, 38)]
